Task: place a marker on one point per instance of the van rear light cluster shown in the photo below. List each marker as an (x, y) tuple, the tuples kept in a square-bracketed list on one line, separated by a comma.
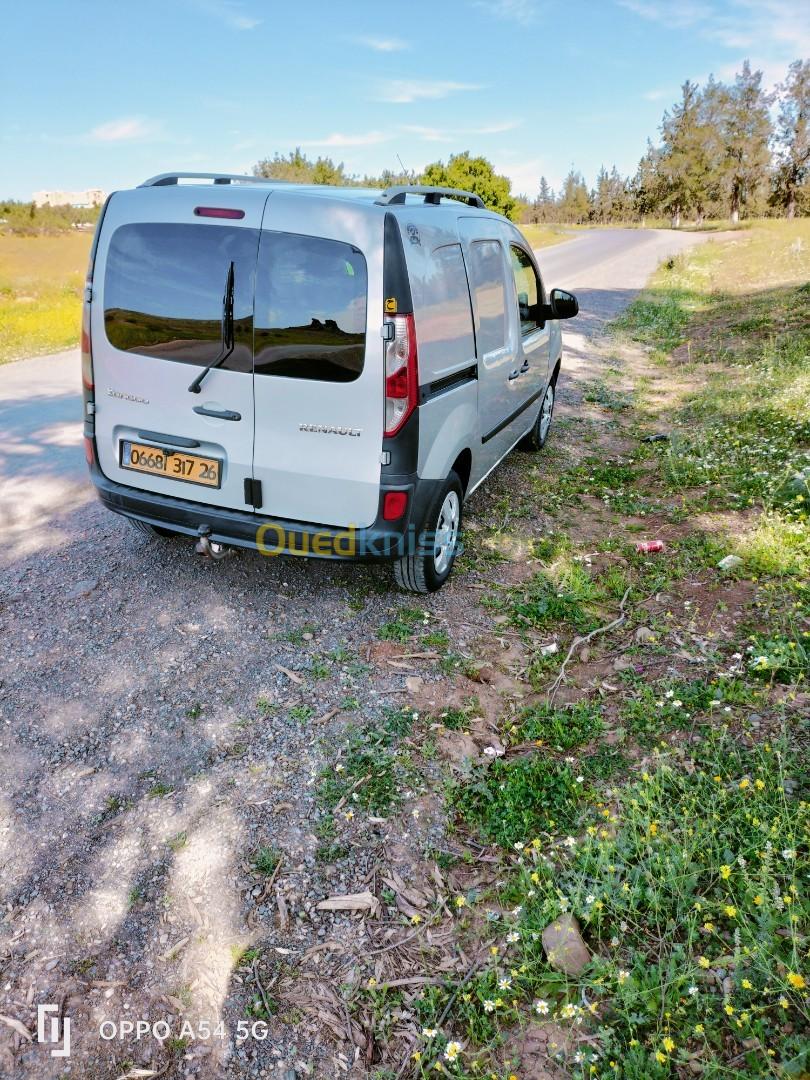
[(401, 373), (219, 212), (87, 351)]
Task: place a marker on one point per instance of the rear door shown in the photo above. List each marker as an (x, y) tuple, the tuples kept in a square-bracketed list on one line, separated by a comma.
[(319, 392), (157, 320)]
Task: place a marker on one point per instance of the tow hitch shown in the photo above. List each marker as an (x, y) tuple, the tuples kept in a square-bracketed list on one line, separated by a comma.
[(211, 549)]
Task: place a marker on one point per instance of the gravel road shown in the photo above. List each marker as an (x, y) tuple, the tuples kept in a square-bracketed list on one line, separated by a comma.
[(158, 725)]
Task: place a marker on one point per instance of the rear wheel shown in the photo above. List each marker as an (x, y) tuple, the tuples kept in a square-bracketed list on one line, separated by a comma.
[(154, 532), (537, 437), (428, 569)]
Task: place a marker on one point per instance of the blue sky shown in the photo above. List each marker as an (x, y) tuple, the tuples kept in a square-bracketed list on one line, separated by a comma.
[(106, 94)]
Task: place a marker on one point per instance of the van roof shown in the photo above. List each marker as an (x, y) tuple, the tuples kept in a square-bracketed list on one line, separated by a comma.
[(390, 198)]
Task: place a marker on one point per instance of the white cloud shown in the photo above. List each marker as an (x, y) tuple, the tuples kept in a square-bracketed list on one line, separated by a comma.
[(125, 130), (771, 33), (403, 91), (337, 138), (430, 134), (525, 175), (656, 95), (384, 45), (519, 11), (230, 12)]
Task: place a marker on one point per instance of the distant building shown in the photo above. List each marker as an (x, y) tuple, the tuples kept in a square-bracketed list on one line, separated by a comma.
[(90, 197)]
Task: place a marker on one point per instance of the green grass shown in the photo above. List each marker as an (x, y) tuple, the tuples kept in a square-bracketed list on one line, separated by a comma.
[(561, 729), (41, 282), (265, 860), (371, 770)]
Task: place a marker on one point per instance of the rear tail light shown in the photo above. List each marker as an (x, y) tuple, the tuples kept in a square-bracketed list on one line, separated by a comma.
[(401, 373), (395, 503), (87, 351), (219, 212)]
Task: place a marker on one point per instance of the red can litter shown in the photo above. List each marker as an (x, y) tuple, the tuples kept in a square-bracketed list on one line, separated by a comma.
[(650, 547)]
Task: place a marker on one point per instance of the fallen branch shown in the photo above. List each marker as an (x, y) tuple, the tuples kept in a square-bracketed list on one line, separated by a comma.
[(578, 641)]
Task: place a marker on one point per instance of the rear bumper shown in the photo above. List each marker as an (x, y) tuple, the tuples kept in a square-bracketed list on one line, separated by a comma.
[(384, 540)]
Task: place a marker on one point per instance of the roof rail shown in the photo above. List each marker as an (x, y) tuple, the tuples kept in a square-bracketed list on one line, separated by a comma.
[(433, 195), (166, 179)]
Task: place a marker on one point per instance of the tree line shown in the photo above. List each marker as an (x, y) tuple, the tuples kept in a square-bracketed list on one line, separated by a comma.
[(725, 150)]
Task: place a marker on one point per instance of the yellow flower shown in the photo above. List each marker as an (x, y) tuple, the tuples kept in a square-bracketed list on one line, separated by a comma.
[(416, 919), (659, 1057), (699, 1029), (460, 901), (731, 911), (725, 872), (708, 926), (653, 829), (718, 779), (796, 981), (634, 1042), (747, 984), (759, 784), (757, 899), (703, 962), (493, 949), (744, 783), (372, 982), (729, 1010), (784, 1002), (417, 1055), (535, 877), (669, 1045)]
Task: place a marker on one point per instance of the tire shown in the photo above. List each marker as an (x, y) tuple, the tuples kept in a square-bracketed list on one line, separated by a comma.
[(537, 438), (154, 532), (424, 572)]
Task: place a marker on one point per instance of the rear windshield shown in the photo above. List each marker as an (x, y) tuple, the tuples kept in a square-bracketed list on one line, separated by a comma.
[(164, 287), (310, 320)]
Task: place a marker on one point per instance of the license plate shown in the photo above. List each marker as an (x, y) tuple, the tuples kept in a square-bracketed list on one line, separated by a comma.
[(173, 464)]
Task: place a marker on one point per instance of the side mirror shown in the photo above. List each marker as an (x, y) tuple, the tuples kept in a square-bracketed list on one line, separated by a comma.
[(563, 304)]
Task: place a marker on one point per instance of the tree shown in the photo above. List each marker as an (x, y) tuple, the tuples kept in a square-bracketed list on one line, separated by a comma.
[(297, 168), (688, 162), (575, 203), (745, 127), (477, 175), (793, 136), (645, 188)]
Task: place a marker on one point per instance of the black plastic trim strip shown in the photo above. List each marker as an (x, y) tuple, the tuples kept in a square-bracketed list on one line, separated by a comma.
[(512, 416), (449, 382), (396, 284), (170, 440)]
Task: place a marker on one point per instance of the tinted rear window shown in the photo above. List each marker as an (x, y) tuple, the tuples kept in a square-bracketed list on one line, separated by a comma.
[(486, 273), (164, 286), (310, 320)]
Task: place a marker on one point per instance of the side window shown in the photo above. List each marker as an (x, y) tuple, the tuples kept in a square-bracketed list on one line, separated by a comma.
[(163, 290), (486, 271), (310, 318), (528, 288), (444, 321)]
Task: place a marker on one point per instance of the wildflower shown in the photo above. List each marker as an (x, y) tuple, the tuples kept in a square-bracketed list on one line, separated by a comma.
[(747, 984), (372, 982), (568, 1011), (758, 899), (708, 926), (452, 1051), (788, 854), (744, 783), (623, 976), (725, 872), (703, 962), (783, 1001), (728, 1010), (535, 877), (796, 981), (692, 991), (504, 982), (541, 1007), (668, 1044), (417, 1055), (430, 1033), (493, 950), (512, 937), (461, 901), (659, 1057), (349, 815), (590, 898), (699, 1029), (415, 919), (489, 1006), (759, 784), (519, 845)]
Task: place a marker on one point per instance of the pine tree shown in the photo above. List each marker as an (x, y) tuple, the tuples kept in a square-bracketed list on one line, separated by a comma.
[(575, 204), (793, 136), (684, 167), (745, 126)]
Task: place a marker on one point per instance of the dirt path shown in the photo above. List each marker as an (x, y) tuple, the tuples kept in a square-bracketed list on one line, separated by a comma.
[(164, 724)]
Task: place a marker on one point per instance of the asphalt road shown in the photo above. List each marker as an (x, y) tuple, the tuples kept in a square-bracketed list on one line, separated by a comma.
[(42, 471)]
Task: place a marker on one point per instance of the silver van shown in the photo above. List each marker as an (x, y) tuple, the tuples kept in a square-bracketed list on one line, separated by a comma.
[(307, 370)]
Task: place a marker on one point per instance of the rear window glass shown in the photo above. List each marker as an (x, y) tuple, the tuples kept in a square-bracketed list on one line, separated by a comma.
[(164, 289), (310, 320), (486, 271)]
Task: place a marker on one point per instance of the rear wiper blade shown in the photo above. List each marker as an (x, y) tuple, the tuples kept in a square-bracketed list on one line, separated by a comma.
[(226, 341)]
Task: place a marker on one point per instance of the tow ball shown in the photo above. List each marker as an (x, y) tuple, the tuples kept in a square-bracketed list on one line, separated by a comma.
[(211, 549)]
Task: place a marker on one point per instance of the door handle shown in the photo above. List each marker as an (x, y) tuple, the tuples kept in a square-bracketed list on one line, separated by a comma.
[(220, 414), (513, 374)]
